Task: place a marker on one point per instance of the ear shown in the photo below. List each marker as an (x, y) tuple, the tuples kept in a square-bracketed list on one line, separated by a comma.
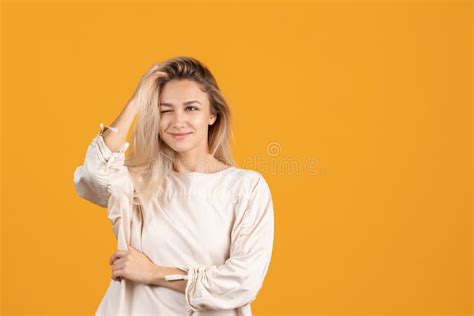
[(213, 119)]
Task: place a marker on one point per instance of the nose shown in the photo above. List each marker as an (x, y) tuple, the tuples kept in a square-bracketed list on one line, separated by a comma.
[(179, 119)]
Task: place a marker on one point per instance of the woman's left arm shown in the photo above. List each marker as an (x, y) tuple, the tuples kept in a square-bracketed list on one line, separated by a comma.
[(237, 281)]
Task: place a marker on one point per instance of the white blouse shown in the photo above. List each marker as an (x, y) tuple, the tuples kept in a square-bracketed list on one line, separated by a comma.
[(218, 227)]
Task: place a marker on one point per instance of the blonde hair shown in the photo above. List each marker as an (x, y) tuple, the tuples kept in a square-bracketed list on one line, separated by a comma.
[(150, 159)]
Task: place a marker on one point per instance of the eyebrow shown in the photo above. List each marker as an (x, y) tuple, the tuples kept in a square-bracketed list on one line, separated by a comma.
[(185, 103)]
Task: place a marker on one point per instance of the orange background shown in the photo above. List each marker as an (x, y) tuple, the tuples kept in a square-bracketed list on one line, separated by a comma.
[(375, 95)]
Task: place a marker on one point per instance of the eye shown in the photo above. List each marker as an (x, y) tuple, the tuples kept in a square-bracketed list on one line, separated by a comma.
[(165, 111), (192, 107)]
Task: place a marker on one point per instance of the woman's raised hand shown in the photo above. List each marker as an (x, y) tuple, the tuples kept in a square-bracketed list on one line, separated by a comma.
[(152, 74)]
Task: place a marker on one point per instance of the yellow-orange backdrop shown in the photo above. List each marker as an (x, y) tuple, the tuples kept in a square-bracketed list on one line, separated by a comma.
[(372, 100)]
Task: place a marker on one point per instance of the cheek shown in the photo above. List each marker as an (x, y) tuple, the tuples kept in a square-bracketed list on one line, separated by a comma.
[(164, 122), (199, 122), (163, 126)]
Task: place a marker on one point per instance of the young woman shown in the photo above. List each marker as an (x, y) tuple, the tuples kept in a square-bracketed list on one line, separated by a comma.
[(195, 232)]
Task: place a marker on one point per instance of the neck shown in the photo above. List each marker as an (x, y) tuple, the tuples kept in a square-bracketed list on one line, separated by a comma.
[(194, 162)]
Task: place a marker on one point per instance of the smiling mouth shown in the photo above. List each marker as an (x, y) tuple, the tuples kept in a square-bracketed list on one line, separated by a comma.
[(180, 135)]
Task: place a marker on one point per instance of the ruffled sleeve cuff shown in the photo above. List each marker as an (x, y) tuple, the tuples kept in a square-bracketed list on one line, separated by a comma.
[(190, 284), (105, 154)]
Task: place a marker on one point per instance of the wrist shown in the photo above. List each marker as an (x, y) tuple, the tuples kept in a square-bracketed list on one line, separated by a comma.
[(158, 275)]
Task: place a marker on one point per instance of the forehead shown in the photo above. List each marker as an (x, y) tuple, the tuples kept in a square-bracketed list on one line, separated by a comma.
[(180, 91)]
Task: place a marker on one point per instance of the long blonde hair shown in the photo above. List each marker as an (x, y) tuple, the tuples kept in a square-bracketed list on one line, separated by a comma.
[(150, 159)]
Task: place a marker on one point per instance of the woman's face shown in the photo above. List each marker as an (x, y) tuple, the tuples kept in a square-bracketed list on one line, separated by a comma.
[(185, 110)]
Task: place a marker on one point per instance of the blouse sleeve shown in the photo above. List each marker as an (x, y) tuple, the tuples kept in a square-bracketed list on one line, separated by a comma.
[(237, 282), (102, 172)]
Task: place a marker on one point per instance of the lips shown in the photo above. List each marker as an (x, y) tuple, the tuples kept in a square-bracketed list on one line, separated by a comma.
[(179, 136)]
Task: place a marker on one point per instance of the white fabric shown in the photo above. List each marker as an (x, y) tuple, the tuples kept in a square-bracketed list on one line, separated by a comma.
[(218, 227)]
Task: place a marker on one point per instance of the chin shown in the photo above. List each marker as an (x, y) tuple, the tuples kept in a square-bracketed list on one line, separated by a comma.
[(181, 148)]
